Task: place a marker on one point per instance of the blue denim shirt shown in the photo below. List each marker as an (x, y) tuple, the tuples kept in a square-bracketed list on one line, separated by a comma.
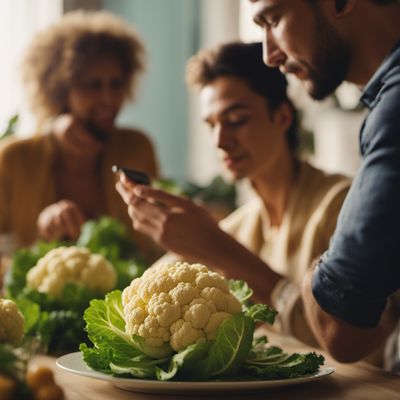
[(361, 268)]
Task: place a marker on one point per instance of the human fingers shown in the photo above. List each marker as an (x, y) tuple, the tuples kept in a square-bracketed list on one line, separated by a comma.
[(144, 209), (143, 223), (125, 192), (47, 224), (161, 197), (71, 220)]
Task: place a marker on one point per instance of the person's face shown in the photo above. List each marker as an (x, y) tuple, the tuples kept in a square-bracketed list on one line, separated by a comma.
[(249, 136), (299, 39), (99, 94)]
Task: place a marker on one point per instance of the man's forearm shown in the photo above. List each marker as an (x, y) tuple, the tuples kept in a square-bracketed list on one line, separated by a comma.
[(345, 342)]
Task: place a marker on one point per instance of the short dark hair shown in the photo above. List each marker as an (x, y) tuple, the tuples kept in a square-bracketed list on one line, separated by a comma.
[(384, 2), (243, 61), (341, 3)]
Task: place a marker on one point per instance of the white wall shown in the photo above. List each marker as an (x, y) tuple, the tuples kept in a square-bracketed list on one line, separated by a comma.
[(219, 23), (19, 20)]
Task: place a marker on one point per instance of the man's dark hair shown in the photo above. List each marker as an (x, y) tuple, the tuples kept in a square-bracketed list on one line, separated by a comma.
[(243, 61), (383, 2)]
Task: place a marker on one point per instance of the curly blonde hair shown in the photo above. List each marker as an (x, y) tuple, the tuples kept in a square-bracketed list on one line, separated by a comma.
[(58, 55)]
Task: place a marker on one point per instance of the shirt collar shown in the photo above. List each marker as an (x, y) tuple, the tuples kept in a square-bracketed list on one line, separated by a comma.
[(375, 84)]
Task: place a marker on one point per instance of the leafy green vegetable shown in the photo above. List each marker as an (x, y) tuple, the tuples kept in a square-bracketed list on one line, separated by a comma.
[(283, 366), (240, 289), (234, 354), (108, 237), (14, 360), (106, 327), (31, 311), (137, 367), (232, 346), (261, 313), (185, 363), (98, 358), (61, 330), (10, 362), (116, 351), (59, 323)]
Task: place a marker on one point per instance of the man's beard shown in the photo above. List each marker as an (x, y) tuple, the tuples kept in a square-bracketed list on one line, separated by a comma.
[(331, 59)]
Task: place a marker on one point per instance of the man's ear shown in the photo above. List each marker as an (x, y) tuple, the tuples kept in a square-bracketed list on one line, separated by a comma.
[(344, 7)]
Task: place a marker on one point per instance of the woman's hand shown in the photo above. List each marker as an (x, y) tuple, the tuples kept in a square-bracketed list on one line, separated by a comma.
[(176, 223), (74, 138), (60, 220)]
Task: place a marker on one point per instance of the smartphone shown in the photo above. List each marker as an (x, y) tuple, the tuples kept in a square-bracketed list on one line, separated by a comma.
[(135, 176), (95, 131)]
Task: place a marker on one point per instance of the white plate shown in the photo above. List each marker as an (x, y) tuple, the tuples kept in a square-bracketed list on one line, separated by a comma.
[(73, 362)]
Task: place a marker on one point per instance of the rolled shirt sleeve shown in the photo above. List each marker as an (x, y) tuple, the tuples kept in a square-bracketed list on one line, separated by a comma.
[(361, 269)]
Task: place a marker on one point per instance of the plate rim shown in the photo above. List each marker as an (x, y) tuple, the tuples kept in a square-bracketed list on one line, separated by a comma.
[(150, 385)]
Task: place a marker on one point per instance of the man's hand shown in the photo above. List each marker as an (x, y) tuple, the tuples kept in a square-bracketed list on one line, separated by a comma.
[(175, 223), (60, 220), (183, 227), (73, 138)]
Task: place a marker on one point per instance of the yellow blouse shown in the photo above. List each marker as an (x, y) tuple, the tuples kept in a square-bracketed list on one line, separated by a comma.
[(27, 182), (289, 249)]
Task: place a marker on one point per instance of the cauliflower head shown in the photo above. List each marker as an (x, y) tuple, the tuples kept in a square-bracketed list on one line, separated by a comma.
[(12, 322), (76, 265), (177, 303)]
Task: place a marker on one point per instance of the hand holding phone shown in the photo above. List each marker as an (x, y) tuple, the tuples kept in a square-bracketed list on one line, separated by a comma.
[(135, 176)]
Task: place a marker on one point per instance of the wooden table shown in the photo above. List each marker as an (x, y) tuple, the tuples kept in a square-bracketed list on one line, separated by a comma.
[(358, 381)]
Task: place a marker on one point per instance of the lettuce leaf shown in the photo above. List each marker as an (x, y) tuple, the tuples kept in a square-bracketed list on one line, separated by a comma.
[(232, 345), (105, 326), (190, 362), (261, 313), (240, 289), (285, 366)]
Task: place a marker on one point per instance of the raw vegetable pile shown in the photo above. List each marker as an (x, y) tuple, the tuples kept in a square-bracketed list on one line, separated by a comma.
[(182, 322), (53, 309)]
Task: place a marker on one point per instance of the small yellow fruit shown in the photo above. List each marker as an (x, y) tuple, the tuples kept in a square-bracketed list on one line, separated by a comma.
[(38, 376), (50, 391), (8, 387)]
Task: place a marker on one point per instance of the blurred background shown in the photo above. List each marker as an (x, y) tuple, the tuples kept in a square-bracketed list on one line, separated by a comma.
[(172, 31)]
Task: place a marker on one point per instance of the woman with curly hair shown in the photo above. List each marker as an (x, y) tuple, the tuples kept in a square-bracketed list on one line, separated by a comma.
[(77, 74)]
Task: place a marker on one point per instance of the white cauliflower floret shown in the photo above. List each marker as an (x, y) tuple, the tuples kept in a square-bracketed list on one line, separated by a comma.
[(213, 323), (75, 265), (184, 334), (12, 322), (177, 303)]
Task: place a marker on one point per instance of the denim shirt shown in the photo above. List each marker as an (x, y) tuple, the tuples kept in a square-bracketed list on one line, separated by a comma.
[(361, 268)]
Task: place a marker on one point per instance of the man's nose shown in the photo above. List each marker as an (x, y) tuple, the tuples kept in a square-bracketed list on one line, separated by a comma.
[(273, 56), (224, 138)]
